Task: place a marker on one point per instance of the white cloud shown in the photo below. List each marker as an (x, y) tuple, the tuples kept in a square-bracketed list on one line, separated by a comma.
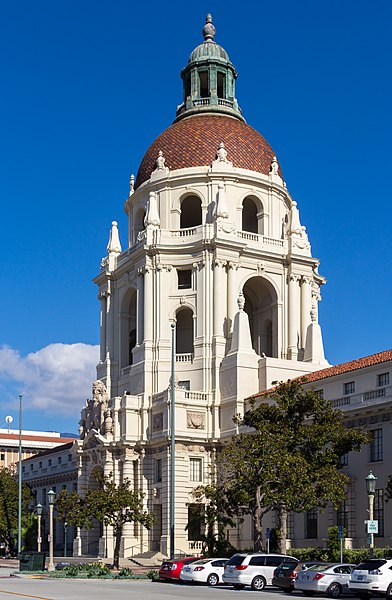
[(56, 378)]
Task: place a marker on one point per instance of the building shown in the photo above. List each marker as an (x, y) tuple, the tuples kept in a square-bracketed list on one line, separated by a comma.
[(54, 469), (32, 443), (217, 250)]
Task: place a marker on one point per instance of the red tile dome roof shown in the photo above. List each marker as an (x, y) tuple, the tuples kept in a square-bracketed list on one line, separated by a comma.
[(194, 141)]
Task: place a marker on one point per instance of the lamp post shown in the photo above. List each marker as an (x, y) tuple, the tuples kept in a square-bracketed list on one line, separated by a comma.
[(371, 490), (39, 509), (65, 537), (172, 441), (51, 499)]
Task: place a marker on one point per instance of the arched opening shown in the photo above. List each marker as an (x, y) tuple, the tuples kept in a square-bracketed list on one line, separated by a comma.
[(138, 222), (252, 216), (190, 212), (260, 306), (184, 331), (128, 328)]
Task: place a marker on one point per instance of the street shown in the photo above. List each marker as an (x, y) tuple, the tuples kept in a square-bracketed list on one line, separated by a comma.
[(95, 589)]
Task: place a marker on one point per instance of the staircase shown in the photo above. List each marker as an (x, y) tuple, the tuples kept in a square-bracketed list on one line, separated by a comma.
[(151, 559)]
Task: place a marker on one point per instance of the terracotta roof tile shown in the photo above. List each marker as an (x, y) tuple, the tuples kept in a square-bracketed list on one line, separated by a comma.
[(194, 141)]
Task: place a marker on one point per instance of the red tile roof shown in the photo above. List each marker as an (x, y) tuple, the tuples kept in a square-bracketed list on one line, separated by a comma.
[(194, 141), (35, 438)]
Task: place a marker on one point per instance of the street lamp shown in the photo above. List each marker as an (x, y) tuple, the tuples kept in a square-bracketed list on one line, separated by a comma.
[(65, 537), (51, 499), (371, 490), (39, 508)]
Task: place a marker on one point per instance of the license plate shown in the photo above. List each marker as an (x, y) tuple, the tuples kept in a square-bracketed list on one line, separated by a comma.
[(231, 569), (280, 574), (187, 569), (360, 577)]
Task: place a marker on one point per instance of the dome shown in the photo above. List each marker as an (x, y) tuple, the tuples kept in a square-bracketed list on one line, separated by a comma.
[(194, 141), (209, 50)]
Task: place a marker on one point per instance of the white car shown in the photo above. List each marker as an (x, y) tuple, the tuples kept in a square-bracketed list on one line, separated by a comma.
[(254, 569), (372, 577), (331, 579), (205, 570)]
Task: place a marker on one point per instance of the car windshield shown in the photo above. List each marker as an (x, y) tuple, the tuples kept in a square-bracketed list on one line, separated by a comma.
[(288, 565), (370, 565), (237, 559), (320, 567), (202, 561)]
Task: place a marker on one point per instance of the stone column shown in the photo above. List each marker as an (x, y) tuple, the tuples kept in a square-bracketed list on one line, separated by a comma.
[(219, 303), (102, 327), (106, 543), (293, 316), (147, 302), (232, 293), (129, 541), (306, 305)]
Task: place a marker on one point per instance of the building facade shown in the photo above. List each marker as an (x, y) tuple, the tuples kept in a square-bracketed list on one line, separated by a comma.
[(32, 443), (217, 254)]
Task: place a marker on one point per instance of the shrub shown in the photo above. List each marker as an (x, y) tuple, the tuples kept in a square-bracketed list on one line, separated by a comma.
[(97, 570), (153, 575), (125, 573)]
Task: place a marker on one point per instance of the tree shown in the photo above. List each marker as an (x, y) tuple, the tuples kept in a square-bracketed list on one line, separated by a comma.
[(9, 500), (289, 459), (112, 504)]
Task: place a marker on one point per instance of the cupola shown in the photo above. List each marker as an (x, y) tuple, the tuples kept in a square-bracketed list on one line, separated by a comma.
[(209, 79)]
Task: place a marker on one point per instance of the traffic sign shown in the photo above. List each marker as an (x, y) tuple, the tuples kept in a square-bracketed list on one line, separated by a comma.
[(268, 533), (340, 532)]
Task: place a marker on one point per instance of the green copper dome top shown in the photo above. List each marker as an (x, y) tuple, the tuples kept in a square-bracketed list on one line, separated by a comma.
[(209, 79)]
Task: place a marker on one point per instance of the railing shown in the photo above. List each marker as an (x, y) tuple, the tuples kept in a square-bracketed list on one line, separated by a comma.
[(201, 102), (256, 237), (195, 545), (196, 396), (228, 103), (140, 546), (184, 358), (184, 232), (353, 399)]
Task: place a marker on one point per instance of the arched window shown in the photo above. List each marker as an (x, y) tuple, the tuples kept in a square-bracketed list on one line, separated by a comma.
[(190, 212), (260, 306), (252, 215), (184, 331), (128, 324), (138, 223)]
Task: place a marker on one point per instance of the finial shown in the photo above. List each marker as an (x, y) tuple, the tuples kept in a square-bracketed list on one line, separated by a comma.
[(132, 184), (160, 161), (221, 154), (274, 166), (208, 30), (241, 301)]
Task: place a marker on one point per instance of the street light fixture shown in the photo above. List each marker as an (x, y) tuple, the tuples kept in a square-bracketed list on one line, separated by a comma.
[(51, 500), (371, 490), (39, 508)]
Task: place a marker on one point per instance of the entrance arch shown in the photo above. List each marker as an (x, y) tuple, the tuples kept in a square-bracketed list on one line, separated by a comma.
[(261, 308)]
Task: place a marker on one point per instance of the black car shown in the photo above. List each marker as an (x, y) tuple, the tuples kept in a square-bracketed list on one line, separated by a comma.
[(285, 574)]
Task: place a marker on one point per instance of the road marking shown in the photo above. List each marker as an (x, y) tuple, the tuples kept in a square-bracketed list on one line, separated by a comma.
[(25, 595)]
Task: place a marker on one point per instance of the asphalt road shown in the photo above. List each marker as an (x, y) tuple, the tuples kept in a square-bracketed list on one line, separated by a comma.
[(12, 588)]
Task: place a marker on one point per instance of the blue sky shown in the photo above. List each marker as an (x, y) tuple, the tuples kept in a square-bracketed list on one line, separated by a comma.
[(87, 86)]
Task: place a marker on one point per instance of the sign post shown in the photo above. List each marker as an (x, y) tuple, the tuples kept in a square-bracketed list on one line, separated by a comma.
[(268, 535), (340, 534)]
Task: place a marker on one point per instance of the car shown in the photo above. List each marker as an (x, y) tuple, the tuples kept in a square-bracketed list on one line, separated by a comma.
[(331, 579), (204, 570), (255, 569), (286, 573), (170, 569), (372, 577)]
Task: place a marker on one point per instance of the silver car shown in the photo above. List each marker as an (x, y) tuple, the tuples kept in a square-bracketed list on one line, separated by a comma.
[(331, 579)]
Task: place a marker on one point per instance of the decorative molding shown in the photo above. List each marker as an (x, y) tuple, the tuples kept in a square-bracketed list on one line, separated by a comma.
[(157, 421), (195, 420)]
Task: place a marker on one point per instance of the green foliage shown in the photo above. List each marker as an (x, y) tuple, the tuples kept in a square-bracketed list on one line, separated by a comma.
[(96, 570), (112, 504), (9, 490), (353, 556), (153, 575), (126, 573)]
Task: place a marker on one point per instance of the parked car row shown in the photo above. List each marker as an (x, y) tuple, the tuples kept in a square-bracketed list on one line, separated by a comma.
[(373, 577)]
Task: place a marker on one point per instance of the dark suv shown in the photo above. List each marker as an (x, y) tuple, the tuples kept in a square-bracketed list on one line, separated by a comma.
[(286, 573)]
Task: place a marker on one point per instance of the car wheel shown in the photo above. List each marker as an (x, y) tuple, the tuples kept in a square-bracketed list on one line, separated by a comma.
[(389, 591), (212, 579), (334, 590), (238, 586), (258, 583), (308, 593)]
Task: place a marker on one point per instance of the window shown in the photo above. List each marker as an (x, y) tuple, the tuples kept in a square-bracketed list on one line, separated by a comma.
[(2, 456), (185, 385), (158, 470), (258, 561), (59, 460), (349, 388), (204, 84), (273, 561), (23, 469), (196, 469), (40, 464), (69, 457), (196, 521), (49, 462), (31, 467), (44, 497), (319, 393), (382, 379), (344, 460), (221, 85), (311, 524), (184, 279), (379, 511), (290, 525), (376, 446)]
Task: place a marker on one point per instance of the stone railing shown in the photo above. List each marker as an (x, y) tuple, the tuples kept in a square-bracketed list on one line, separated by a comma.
[(197, 396), (184, 358), (201, 102), (260, 239), (353, 399)]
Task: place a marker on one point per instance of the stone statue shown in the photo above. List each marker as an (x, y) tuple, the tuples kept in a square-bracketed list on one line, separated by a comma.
[(94, 413), (160, 162)]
